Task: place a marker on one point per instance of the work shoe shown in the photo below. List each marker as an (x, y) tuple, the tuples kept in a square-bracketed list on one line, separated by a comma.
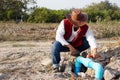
[(55, 70)]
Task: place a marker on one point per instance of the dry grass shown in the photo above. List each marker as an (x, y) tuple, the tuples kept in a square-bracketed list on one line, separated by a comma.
[(118, 41), (26, 31), (36, 31), (106, 29)]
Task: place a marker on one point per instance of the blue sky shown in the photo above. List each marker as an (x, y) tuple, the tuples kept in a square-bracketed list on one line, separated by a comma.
[(67, 4)]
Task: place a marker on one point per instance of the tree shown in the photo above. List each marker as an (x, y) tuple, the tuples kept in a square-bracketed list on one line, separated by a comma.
[(103, 11), (13, 9), (39, 15), (44, 15)]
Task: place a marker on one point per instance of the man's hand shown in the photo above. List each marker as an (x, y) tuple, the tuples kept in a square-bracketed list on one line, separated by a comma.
[(93, 55), (72, 50)]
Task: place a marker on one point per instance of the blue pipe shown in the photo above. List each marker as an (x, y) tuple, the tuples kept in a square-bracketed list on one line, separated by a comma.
[(88, 62)]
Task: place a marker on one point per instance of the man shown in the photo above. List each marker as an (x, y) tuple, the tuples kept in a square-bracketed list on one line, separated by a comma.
[(74, 35)]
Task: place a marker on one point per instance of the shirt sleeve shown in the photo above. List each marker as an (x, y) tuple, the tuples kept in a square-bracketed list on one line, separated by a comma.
[(60, 34), (90, 38)]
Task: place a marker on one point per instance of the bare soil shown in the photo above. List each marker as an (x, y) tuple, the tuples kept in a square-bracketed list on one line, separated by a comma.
[(21, 60)]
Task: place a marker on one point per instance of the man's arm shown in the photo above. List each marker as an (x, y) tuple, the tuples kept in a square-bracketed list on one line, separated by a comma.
[(92, 42), (60, 34), (60, 37), (72, 49)]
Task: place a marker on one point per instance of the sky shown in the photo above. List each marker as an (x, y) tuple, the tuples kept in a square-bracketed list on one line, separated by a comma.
[(68, 4)]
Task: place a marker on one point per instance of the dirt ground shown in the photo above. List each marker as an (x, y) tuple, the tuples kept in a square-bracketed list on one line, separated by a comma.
[(21, 60)]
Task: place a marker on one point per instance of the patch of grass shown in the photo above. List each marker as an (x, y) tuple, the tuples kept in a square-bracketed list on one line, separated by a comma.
[(106, 29), (10, 31), (118, 41), (23, 45)]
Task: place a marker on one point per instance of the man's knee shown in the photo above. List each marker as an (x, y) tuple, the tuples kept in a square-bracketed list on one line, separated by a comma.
[(56, 45)]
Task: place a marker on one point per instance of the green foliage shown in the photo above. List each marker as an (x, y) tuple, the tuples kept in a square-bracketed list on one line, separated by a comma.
[(39, 15), (44, 15), (1, 16), (17, 9), (13, 9), (103, 11)]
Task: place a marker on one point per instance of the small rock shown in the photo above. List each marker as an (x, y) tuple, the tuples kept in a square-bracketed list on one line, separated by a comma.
[(108, 75), (113, 58), (2, 76), (46, 62), (90, 72), (82, 75)]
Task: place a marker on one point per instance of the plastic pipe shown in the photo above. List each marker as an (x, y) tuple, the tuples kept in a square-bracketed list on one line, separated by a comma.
[(88, 62)]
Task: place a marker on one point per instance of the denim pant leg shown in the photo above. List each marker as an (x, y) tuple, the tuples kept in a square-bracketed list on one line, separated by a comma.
[(55, 51), (84, 46)]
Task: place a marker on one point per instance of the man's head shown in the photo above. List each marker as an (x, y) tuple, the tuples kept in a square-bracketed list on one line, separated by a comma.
[(78, 18)]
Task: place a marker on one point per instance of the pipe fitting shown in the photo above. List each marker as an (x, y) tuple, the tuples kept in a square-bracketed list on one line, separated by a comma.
[(88, 62)]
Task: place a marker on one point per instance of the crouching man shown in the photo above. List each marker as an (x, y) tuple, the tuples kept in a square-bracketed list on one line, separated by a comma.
[(74, 35)]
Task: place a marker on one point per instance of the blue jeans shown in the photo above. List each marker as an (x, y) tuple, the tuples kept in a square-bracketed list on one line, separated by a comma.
[(57, 48)]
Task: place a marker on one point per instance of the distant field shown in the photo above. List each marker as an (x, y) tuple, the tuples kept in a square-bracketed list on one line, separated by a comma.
[(10, 31)]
